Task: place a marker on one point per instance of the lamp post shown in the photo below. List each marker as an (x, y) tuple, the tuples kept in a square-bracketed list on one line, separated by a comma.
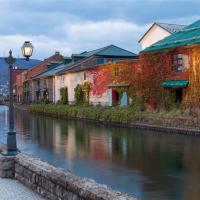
[(11, 135), (27, 50)]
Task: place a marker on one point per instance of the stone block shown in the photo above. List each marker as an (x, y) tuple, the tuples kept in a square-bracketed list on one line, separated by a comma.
[(19, 169), (7, 166), (54, 183)]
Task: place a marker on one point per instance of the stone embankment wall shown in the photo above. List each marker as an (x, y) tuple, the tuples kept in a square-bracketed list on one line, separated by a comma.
[(54, 183)]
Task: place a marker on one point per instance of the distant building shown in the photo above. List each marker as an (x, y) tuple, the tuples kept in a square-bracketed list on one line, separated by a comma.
[(25, 86), (157, 32), (20, 65)]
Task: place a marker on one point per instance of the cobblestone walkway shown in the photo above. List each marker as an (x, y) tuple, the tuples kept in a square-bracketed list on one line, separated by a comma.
[(14, 190)]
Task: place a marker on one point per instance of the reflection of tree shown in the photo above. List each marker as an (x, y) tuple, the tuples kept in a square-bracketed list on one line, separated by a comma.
[(82, 136)]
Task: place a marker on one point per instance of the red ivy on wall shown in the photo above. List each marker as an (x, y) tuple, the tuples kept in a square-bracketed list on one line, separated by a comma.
[(112, 73), (146, 75), (156, 68)]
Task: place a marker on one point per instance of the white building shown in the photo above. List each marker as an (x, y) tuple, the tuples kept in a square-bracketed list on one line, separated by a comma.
[(79, 71), (157, 32)]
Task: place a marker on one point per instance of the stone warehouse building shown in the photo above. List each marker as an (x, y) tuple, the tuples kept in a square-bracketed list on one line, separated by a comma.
[(172, 67), (97, 67), (168, 70), (84, 67)]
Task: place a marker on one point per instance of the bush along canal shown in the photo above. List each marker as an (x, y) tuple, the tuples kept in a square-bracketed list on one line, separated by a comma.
[(176, 121), (144, 164)]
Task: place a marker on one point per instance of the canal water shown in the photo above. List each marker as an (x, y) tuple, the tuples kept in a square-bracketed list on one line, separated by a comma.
[(147, 165)]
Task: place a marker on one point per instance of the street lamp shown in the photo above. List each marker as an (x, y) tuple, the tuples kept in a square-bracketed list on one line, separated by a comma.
[(27, 49), (11, 135)]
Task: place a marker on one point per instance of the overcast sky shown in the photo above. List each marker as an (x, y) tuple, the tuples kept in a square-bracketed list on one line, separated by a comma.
[(73, 26)]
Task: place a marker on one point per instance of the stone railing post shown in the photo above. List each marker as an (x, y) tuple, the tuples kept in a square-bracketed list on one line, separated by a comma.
[(7, 166)]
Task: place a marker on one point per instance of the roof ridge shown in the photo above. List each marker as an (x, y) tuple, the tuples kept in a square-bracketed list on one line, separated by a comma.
[(96, 49), (170, 23), (112, 45), (104, 48)]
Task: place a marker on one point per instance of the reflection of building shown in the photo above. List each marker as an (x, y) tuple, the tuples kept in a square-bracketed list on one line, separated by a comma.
[(71, 148), (99, 149)]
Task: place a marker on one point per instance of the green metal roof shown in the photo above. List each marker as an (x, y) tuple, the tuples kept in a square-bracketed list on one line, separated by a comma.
[(175, 83), (110, 50), (52, 71), (189, 35)]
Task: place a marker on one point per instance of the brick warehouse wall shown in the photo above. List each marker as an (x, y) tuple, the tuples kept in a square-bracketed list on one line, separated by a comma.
[(156, 67)]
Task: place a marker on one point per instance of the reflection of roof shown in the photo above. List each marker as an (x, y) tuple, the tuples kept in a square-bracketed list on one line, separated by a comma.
[(52, 71), (171, 28), (189, 35)]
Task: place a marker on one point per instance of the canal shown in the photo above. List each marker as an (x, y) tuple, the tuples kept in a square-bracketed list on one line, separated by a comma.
[(148, 165)]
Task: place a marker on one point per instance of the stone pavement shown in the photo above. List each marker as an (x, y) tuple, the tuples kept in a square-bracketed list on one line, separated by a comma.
[(11, 189)]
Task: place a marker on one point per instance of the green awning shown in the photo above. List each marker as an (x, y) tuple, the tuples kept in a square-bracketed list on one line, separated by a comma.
[(175, 83)]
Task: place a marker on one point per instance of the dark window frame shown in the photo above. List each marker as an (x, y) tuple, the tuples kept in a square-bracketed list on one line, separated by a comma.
[(177, 62)]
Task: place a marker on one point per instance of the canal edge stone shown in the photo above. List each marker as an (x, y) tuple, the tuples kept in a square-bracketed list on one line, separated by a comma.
[(54, 183)]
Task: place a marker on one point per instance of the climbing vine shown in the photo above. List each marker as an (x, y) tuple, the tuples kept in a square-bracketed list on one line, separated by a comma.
[(105, 75), (156, 67), (192, 96), (143, 78)]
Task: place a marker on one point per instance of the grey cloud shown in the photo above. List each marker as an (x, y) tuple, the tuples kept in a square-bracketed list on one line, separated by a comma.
[(76, 25)]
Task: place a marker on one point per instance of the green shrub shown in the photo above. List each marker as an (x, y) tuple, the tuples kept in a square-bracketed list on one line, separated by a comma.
[(43, 101), (82, 93), (79, 95), (117, 114), (137, 104), (170, 102), (63, 95)]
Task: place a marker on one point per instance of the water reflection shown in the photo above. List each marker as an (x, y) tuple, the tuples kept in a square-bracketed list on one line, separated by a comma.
[(148, 165)]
